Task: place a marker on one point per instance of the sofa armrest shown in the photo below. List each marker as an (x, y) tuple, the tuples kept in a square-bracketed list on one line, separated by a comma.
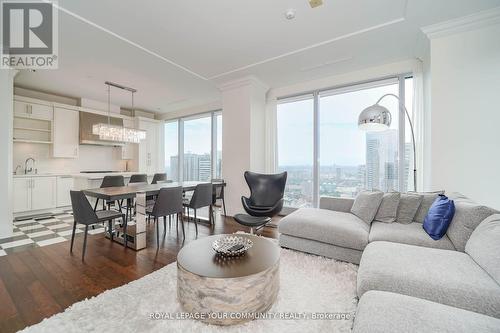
[(336, 204)]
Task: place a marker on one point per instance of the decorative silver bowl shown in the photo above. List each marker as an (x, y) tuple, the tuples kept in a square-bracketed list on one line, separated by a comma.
[(232, 246)]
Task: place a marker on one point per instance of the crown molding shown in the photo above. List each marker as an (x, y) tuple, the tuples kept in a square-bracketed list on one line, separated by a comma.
[(249, 80), (466, 23)]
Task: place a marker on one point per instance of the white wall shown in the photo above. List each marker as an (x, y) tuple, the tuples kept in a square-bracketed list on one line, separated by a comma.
[(90, 158), (466, 113), (6, 128)]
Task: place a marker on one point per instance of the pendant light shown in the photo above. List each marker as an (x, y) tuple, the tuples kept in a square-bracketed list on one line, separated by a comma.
[(118, 133)]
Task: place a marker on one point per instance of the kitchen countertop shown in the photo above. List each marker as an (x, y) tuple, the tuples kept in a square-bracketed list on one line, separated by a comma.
[(89, 176)]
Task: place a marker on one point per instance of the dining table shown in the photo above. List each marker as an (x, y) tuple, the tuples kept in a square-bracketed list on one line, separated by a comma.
[(136, 233)]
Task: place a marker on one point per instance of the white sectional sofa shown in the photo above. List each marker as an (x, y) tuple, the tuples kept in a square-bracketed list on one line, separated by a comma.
[(408, 282)]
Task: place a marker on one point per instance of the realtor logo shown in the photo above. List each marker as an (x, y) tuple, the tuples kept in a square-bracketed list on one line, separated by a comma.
[(29, 35)]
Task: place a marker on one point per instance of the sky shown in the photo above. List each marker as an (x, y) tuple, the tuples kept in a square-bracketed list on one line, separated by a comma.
[(341, 142)]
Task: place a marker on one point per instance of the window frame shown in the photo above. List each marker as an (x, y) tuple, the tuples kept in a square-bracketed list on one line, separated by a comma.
[(340, 89), (180, 140)]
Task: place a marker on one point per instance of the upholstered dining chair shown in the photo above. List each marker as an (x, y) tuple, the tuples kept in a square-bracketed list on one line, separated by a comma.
[(167, 203), (218, 193), (159, 177), (202, 197), (110, 181), (84, 214)]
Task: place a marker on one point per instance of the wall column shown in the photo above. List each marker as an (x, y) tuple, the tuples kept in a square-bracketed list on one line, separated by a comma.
[(243, 136), (6, 129)]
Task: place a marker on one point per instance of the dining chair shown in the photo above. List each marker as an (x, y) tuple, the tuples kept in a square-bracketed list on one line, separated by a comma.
[(110, 181), (202, 197), (218, 193), (134, 179), (168, 203), (159, 177), (84, 214)]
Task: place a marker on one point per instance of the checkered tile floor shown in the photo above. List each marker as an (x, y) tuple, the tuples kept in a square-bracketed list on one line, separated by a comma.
[(44, 230)]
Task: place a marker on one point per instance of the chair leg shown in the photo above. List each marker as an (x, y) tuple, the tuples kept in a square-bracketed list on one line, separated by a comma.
[(157, 233), (85, 241), (164, 225), (224, 206), (125, 238), (195, 222), (73, 237), (182, 225)]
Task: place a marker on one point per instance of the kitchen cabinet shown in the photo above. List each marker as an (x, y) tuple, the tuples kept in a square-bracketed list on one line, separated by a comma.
[(149, 154), (32, 110), (34, 193), (43, 193), (65, 133), (22, 194), (64, 186)]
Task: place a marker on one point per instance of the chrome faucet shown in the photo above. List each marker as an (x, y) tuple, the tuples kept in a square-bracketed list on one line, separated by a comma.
[(30, 170)]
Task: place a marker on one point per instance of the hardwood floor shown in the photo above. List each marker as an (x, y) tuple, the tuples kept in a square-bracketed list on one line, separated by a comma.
[(40, 282)]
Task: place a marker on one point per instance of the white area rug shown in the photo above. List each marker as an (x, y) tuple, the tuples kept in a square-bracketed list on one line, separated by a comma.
[(308, 284)]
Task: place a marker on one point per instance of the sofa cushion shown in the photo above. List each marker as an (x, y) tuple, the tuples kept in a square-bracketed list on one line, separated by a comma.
[(327, 226), (412, 234), (407, 208), (388, 209), (467, 217), (443, 276), (381, 312), (366, 205), (484, 246), (427, 200)]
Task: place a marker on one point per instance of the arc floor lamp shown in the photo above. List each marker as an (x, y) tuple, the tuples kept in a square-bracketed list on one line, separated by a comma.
[(378, 118)]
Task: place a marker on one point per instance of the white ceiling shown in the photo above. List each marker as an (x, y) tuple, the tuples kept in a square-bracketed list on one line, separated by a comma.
[(175, 53)]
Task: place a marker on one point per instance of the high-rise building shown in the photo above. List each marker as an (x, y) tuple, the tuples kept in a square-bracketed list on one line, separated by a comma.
[(382, 160)]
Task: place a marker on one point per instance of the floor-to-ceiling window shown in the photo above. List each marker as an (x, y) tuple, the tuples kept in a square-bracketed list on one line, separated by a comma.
[(295, 119), (352, 160), (197, 164), (193, 147), (325, 153), (218, 145)]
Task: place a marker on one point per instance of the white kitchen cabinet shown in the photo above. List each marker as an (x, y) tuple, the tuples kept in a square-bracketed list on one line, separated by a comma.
[(65, 133), (149, 148), (127, 150), (64, 186), (32, 110), (34, 193), (43, 193), (22, 194)]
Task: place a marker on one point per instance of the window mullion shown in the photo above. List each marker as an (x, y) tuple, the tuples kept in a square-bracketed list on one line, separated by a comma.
[(402, 126), (316, 150)]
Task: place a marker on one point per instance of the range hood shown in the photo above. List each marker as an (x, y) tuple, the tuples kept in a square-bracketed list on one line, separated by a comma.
[(87, 120)]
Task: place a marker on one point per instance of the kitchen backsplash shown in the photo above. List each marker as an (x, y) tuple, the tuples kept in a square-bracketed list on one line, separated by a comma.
[(90, 158)]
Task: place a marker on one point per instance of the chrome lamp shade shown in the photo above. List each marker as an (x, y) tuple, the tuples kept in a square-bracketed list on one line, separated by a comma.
[(374, 118)]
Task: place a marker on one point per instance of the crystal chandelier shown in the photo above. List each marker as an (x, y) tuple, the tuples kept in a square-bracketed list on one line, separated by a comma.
[(118, 133)]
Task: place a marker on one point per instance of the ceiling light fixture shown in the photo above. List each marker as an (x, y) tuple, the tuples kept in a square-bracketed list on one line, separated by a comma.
[(115, 132), (315, 3), (290, 14)]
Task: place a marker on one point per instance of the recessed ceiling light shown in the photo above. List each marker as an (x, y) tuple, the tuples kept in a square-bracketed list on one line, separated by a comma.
[(315, 3), (290, 14)]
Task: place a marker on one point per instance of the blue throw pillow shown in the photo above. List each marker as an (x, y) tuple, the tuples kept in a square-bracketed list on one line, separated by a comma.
[(439, 217)]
